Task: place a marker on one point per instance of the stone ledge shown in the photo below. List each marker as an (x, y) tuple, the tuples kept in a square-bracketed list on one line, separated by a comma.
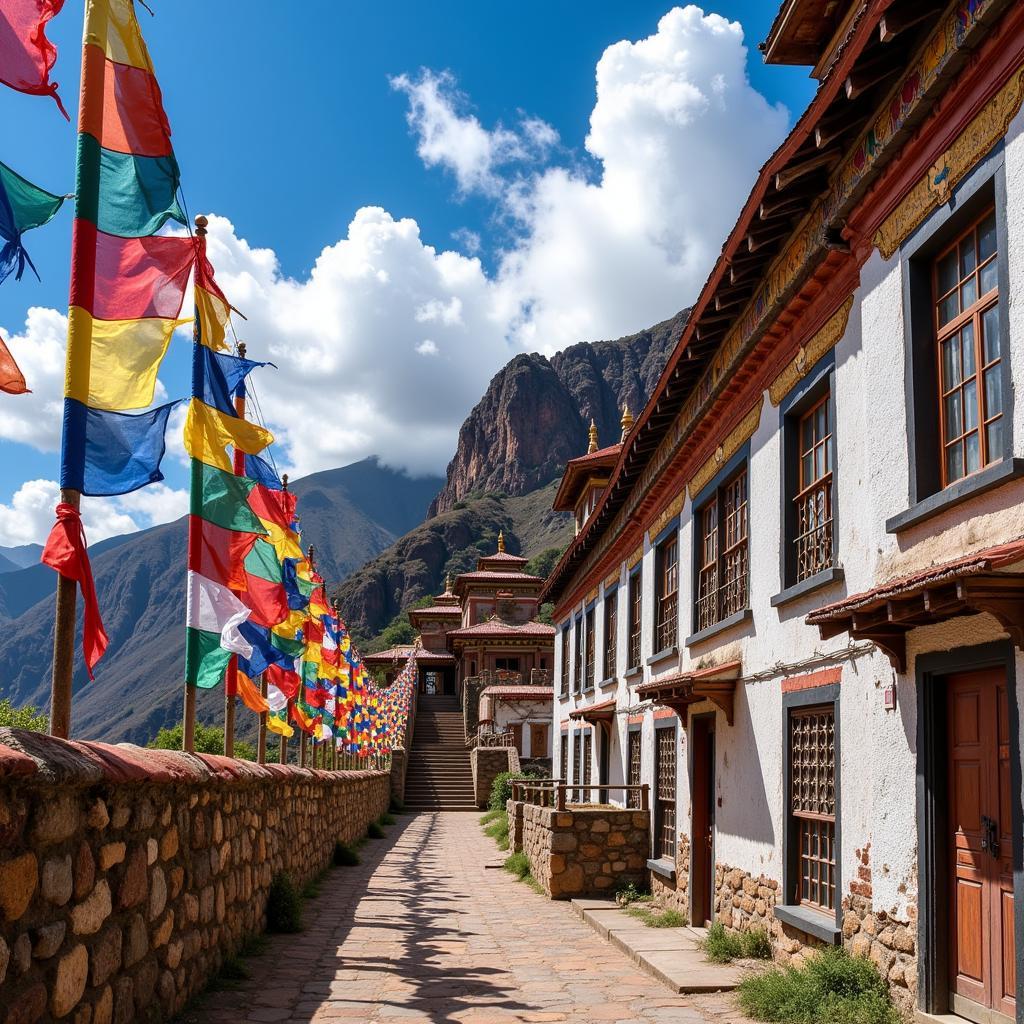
[(33, 757)]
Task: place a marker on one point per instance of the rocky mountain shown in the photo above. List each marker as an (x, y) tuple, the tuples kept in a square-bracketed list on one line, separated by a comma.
[(348, 514), (450, 542), (536, 411)]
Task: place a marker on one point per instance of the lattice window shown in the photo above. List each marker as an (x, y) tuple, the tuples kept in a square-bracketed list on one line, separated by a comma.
[(966, 296), (665, 793), (588, 750), (577, 682), (635, 618), (564, 759), (722, 576), (588, 677), (813, 803), (576, 759), (814, 498), (611, 633), (667, 616), (635, 760), (564, 677)]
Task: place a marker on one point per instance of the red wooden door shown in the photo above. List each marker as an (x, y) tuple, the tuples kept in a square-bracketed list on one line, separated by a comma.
[(981, 932)]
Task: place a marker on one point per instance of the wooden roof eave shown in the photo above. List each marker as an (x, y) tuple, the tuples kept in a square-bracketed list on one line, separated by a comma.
[(716, 684)]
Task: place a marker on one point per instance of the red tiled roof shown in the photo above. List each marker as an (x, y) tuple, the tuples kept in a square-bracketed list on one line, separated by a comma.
[(495, 627), (967, 565), (438, 609), (602, 453), (403, 651), (578, 469), (519, 692), (600, 710), (483, 575), (503, 556)]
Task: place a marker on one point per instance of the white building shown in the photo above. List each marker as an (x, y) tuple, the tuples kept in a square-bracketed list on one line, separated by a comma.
[(796, 607)]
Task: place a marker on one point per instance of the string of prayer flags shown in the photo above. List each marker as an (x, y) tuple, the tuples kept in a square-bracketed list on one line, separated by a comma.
[(26, 55)]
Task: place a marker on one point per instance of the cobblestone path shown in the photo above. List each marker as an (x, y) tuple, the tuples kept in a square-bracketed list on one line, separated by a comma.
[(430, 928)]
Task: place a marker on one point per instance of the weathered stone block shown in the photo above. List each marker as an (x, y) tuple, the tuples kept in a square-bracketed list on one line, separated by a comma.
[(84, 871), (111, 854), (31, 1005), (136, 941), (18, 879), (133, 885), (106, 955), (55, 820), (169, 843), (157, 893), (69, 984), (57, 880), (46, 939), (88, 917)]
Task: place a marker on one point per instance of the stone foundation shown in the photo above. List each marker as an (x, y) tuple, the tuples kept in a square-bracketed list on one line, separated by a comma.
[(674, 895), (585, 851), (399, 766), (745, 903), (128, 875), (487, 764)]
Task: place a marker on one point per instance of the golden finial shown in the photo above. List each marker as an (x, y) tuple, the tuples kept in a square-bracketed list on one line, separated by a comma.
[(448, 583), (501, 542), (627, 421), (593, 438), (201, 224)]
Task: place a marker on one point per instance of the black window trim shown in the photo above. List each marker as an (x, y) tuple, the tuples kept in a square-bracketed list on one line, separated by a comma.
[(590, 609), (672, 527), (985, 185), (663, 866), (576, 682), (811, 922), (565, 669), (605, 594), (637, 570), (807, 393)]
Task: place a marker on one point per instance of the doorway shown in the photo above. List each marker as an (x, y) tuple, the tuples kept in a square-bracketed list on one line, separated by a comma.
[(538, 739), (702, 802), (982, 976)]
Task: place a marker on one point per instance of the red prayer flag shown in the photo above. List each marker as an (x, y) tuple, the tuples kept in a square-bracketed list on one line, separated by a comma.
[(26, 55), (284, 679), (66, 552), (12, 380)]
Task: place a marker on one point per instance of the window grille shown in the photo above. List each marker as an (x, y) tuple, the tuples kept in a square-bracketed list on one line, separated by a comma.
[(966, 295), (813, 803), (577, 682), (635, 619), (564, 678), (588, 749), (723, 572), (635, 755), (814, 497), (666, 623), (611, 630), (588, 678), (576, 779), (665, 802), (563, 761)]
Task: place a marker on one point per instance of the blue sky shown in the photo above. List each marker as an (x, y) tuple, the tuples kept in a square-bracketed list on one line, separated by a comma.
[(286, 125)]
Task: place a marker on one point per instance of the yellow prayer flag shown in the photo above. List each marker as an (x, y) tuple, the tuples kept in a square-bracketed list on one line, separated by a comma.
[(208, 432), (279, 726), (111, 25), (214, 314)]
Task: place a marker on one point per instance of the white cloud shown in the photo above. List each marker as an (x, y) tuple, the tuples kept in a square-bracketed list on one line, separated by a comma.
[(29, 516), (427, 348), (455, 140)]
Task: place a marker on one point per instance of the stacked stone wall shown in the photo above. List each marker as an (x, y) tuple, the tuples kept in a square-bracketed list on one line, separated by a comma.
[(585, 852), (487, 764), (128, 875), (675, 895)]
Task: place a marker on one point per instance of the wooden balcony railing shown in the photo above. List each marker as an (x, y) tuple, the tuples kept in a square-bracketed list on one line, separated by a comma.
[(552, 792)]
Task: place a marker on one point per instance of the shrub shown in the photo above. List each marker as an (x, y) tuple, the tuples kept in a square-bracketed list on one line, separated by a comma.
[(374, 831), (501, 788), (517, 864), (756, 944), (28, 717), (232, 969), (630, 893), (385, 819), (284, 906), (208, 739), (345, 856), (721, 946), (396, 806), (832, 987)]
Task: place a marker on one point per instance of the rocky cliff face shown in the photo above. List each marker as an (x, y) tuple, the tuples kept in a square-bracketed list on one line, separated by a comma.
[(536, 411)]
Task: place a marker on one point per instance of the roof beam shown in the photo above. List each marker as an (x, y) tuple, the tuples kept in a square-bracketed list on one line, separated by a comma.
[(795, 171), (900, 17)]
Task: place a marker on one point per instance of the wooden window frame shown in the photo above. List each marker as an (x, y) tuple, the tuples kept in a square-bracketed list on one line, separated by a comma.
[(588, 765), (563, 753), (814, 538), (664, 840), (720, 546), (634, 763), (636, 619), (577, 682), (563, 678), (589, 654), (611, 633), (972, 315), (666, 599)]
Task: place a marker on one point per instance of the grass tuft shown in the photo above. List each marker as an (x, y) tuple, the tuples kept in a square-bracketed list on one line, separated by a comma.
[(345, 856), (374, 831), (284, 905), (396, 806), (631, 893), (831, 987), (721, 946), (518, 864), (385, 819), (498, 831), (253, 945), (492, 815), (655, 918), (232, 969)]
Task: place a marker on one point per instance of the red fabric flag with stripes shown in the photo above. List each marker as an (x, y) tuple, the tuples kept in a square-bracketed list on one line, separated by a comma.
[(26, 55)]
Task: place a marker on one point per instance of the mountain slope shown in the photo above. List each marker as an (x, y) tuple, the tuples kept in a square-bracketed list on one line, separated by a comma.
[(141, 583), (535, 413)]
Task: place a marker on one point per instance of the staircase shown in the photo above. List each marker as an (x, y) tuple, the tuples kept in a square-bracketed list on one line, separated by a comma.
[(439, 777)]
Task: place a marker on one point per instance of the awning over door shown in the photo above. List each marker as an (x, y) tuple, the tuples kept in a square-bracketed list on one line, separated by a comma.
[(716, 684), (965, 586), (603, 713)]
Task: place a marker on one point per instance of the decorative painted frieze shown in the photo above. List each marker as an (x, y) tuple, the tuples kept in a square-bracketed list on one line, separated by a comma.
[(730, 445), (810, 352)]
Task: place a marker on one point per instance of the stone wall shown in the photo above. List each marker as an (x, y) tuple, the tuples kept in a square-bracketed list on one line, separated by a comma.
[(128, 875), (675, 895), (487, 764), (585, 852)]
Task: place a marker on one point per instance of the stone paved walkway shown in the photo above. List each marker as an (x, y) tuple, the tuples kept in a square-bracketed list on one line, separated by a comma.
[(430, 928)]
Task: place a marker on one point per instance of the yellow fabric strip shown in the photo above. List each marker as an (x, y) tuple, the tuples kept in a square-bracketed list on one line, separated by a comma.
[(213, 315), (279, 726), (285, 542), (209, 432), (116, 361), (111, 25), (296, 620)]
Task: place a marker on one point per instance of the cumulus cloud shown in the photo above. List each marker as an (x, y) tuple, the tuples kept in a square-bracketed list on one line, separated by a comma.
[(385, 346), (450, 137)]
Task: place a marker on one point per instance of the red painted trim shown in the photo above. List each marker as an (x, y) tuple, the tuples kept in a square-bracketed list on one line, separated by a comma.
[(823, 677), (635, 720), (664, 713)]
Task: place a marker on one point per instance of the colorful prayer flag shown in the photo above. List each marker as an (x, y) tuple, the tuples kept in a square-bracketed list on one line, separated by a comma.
[(26, 55), (23, 206)]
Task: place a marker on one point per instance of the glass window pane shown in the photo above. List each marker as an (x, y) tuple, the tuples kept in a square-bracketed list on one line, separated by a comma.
[(967, 257), (951, 362), (989, 277), (821, 421), (954, 470), (947, 272), (972, 450), (968, 293), (819, 462), (987, 236), (971, 405), (948, 308), (967, 347), (990, 333), (993, 394), (994, 440), (808, 468), (954, 421)]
